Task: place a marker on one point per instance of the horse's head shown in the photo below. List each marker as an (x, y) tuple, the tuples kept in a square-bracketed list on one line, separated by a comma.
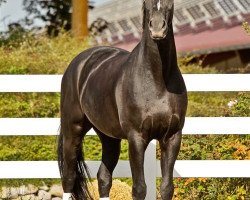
[(158, 15)]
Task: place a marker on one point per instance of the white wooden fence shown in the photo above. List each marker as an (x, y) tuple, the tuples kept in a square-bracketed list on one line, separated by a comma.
[(193, 125)]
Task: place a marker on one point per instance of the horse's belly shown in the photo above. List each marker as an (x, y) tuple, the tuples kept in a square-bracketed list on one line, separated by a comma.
[(108, 126), (101, 112)]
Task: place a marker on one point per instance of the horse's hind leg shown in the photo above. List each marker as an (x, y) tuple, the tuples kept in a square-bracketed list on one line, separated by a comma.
[(110, 156), (73, 128), (169, 153)]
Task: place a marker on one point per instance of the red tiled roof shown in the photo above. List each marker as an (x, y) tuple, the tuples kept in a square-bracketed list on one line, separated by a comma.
[(206, 41), (213, 40)]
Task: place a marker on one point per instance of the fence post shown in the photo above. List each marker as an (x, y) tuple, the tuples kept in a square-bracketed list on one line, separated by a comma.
[(150, 168)]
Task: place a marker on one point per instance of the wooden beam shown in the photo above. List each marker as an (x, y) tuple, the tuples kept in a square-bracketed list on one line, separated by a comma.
[(183, 168), (193, 125), (80, 18), (194, 83)]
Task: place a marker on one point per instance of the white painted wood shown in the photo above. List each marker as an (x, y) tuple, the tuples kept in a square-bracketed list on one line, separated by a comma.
[(217, 82), (194, 82), (183, 168), (211, 168), (30, 83), (150, 170), (28, 169), (193, 125), (29, 126), (217, 125), (66, 196)]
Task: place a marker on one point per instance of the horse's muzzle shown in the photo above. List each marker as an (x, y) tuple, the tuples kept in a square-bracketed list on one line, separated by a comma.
[(158, 35), (158, 27)]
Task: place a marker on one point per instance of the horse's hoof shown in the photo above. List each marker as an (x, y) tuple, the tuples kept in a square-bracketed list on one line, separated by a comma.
[(67, 196)]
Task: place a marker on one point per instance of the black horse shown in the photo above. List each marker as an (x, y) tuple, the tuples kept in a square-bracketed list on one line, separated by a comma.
[(138, 96)]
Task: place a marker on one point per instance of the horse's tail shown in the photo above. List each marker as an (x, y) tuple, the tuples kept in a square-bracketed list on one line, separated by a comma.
[(80, 190)]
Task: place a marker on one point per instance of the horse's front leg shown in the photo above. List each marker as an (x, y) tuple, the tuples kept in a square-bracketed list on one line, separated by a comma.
[(110, 155), (137, 147), (169, 152)]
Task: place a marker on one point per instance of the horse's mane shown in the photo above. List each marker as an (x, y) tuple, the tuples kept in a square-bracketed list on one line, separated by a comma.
[(143, 13)]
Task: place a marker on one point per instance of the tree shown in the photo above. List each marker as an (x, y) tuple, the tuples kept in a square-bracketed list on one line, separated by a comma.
[(2, 1), (55, 13), (80, 18)]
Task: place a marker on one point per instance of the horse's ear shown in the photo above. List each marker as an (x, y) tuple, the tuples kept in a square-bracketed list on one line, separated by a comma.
[(172, 14), (143, 13)]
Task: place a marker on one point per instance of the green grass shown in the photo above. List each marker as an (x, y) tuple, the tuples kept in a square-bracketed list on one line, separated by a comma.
[(40, 55)]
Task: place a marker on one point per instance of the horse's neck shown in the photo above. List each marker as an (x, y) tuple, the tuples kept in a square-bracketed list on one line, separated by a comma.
[(158, 58)]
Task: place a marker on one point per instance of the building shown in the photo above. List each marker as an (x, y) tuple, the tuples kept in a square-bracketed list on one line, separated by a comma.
[(208, 27)]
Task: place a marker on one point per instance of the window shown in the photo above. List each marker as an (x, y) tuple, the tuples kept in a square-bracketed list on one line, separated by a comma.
[(180, 16), (124, 24), (196, 12), (112, 28), (245, 4), (137, 22), (211, 8), (228, 6)]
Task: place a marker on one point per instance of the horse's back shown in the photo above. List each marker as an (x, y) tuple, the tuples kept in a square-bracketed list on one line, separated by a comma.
[(93, 60)]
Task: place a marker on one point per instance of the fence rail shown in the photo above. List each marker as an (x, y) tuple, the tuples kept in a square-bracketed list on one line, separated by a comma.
[(193, 125), (194, 82), (183, 168)]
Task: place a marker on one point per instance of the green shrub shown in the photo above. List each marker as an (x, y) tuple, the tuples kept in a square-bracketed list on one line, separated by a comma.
[(39, 55), (211, 188), (246, 27), (240, 106), (188, 66), (28, 148), (200, 104), (215, 147), (29, 105), (211, 104)]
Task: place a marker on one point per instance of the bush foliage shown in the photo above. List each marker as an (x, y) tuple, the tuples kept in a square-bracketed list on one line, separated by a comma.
[(246, 27), (29, 105), (44, 55), (38, 55)]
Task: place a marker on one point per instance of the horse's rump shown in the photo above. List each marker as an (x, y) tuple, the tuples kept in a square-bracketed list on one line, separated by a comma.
[(93, 76)]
